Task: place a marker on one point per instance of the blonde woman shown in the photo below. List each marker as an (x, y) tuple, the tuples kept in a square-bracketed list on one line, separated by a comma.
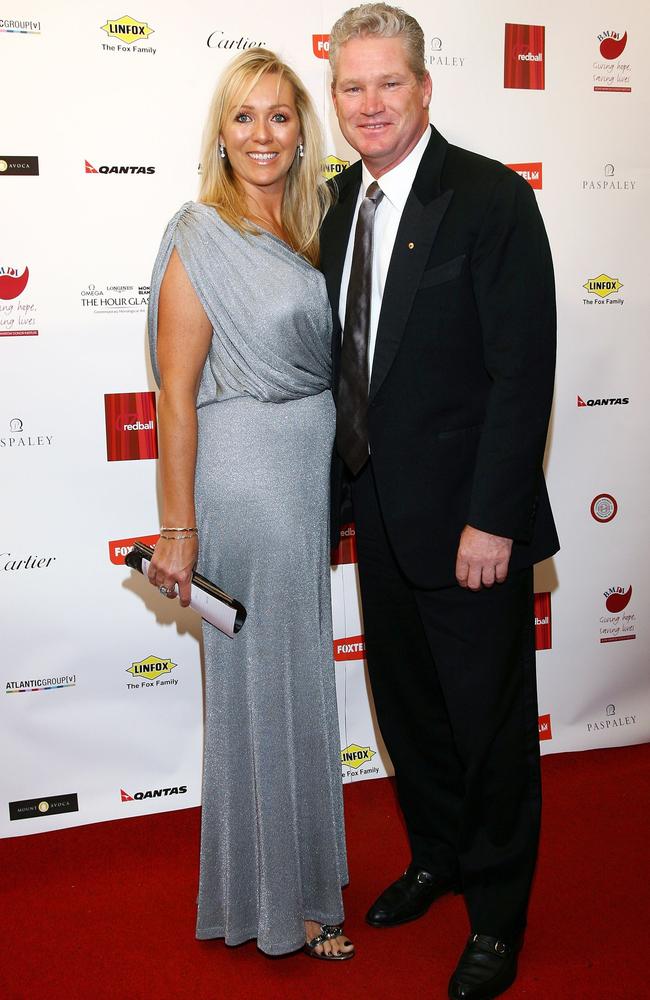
[(240, 333)]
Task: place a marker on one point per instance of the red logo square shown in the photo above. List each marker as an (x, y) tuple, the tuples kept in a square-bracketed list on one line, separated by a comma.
[(130, 426)]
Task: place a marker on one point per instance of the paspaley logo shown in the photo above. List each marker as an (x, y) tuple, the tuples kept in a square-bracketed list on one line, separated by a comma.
[(603, 285), (610, 401), (12, 284), (612, 44), (531, 172), (130, 426), (611, 720), (321, 46), (523, 64), (543, 639), (117, 169), (354, 755), (126, 29), (603, 508), (351, 648), (151, 667), (544, 727), (332, 167), (153, 793)]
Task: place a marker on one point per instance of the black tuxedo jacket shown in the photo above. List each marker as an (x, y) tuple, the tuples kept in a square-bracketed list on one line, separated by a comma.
[(462, 376)]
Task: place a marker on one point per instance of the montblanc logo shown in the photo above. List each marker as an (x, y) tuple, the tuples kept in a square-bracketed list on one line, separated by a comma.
[(152, 793), (117, 169), (602, 401)]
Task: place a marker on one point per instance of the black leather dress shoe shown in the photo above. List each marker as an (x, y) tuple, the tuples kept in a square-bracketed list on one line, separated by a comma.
[(408, 898), (486, 969)]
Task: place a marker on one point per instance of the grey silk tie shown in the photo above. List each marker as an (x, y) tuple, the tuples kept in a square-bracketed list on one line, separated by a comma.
[(352, 399)]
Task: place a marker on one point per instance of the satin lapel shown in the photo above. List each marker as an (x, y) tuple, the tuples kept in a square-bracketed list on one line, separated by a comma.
[(424, 211)]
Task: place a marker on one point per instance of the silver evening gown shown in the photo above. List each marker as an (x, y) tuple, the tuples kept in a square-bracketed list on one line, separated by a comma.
[(272, 838)]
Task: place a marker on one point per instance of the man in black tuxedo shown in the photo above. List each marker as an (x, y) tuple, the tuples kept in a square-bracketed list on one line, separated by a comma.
[(441, 283)]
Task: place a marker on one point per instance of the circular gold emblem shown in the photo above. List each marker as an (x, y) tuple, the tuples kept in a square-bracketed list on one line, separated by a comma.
[(43, 806), (3, 166)]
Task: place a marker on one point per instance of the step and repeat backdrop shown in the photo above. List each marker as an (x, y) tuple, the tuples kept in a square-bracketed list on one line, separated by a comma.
[(102, 114)]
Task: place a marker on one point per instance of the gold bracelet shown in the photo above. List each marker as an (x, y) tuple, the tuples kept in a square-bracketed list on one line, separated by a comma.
[(177, 538), (193, 530)]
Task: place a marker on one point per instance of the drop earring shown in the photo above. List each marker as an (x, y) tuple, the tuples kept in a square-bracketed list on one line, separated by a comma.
[(222, 151), (301, 150)]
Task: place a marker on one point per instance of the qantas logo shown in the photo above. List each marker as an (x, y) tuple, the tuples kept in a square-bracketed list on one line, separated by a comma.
[(105, 169), (611, 401)]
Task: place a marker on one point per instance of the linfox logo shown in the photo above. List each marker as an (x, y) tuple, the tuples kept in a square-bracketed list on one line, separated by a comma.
[(610, 401), (531, 172), (126, 29), (332, 167), (603, 285), (351, 648), (354, 755), (544, 727), (115, 169), (151, 667), (612, 44), (12, 284), (152, 793), (321, 46), (118, 550)]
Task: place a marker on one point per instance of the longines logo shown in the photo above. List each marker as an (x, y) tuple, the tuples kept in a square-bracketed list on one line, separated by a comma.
[(15, 166), (19, 27), (612, 720), (603, 508), (125, 34), (611, 73), (602, 287), (608, 181), (220, 40), (151, 672), (438, 56), (531, 172), (618, 624), (122, 299), (153, 793), (17, 437), (117, 169)]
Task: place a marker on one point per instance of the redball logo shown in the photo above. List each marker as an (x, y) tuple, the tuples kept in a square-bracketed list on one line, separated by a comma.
[(544, 726), (120, 549), (346, 550), (543, 638), (351, 648), (523, 65), (12, 284), (321, 46), (531, 172), (130, 426)]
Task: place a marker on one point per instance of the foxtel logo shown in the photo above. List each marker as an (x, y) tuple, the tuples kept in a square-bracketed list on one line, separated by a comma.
[(154, 793), (119, 549), (611, 401), (321, 46), (351, 648), (531, 172)]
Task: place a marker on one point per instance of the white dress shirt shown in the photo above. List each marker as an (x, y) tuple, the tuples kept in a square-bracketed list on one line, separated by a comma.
[(396, 185)]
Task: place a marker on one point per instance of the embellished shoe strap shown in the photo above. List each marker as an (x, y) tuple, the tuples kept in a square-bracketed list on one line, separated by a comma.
[(328, 931)]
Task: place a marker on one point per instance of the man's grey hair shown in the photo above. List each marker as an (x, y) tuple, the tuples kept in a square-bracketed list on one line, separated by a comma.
[(379, 20)]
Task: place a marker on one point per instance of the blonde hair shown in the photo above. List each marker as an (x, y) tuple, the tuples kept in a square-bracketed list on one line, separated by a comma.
[(306, 196), (379, 20)]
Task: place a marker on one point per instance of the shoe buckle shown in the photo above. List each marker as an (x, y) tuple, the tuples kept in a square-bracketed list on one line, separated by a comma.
[(500, 947), (423, 878)]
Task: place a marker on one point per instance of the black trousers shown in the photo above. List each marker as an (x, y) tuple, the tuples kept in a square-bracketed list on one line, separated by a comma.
[(453, 678)]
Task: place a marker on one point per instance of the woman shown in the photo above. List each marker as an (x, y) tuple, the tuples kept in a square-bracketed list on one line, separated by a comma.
[(240, 333)]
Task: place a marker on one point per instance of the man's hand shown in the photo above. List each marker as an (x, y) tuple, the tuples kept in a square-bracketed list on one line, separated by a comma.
[(482, 558)]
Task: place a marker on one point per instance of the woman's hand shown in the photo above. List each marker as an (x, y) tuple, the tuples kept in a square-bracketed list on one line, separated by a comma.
[(171, 566)]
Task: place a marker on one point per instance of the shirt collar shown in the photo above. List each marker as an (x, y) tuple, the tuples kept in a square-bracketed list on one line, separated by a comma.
[(397, 183)]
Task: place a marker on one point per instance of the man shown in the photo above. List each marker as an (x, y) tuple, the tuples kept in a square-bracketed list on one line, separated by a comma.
[(441, 281)]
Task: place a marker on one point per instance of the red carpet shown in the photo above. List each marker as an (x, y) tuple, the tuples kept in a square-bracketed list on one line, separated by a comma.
[(107, 911)]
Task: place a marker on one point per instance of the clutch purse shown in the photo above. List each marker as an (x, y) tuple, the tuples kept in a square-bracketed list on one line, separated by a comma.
[(213, 604)]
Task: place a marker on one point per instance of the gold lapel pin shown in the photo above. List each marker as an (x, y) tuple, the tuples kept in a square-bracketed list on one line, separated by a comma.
[(411, 246)]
